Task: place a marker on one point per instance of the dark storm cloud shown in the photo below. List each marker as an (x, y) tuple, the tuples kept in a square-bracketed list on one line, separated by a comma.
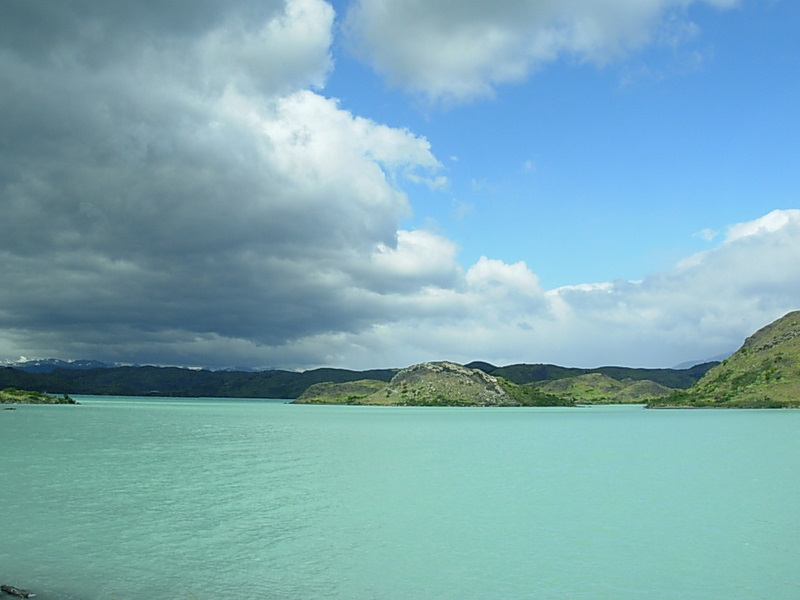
[(99, 31), (162, 177)]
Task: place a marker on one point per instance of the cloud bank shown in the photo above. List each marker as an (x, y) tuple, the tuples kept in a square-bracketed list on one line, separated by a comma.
[(176, 189)]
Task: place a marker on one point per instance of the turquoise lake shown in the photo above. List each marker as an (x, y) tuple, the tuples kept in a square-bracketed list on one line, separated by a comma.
[(148, 498)]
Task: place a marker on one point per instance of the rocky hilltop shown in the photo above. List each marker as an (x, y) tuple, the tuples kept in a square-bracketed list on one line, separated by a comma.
[(432, 384), (763, 373)]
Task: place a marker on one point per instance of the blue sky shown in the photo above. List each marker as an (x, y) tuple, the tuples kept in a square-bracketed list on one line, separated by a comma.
[(591, 173), (370, 183)]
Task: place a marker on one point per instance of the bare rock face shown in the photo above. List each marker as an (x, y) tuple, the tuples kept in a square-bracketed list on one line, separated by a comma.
[(443, 383)]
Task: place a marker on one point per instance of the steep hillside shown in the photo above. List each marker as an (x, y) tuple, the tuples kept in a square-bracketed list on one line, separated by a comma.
[(432, 384), (763, 373)]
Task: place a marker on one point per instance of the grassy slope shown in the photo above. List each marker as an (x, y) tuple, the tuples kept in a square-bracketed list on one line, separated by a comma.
[(597, 388), (328, 392), (672, 378), (763, 373)]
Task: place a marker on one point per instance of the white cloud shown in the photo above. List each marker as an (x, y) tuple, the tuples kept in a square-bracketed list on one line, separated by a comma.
[(495, 275), (456, 51), (705, 234), (699, 308), (418, 260), (769, 223), (416, 253)]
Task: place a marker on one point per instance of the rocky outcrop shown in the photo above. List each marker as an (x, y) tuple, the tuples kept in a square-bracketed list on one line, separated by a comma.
[(15, 591), (444, 383)]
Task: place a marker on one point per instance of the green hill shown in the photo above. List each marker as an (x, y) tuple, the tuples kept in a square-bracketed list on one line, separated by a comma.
[(432, 384), (597, 388), (763, 373), (640, 392), (329, 392), (591, 387), (672, 378)]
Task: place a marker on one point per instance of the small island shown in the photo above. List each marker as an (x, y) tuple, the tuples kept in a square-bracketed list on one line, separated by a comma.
[(15, 396)]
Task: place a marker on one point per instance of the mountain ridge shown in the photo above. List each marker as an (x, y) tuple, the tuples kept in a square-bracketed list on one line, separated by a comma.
[(177, 381)]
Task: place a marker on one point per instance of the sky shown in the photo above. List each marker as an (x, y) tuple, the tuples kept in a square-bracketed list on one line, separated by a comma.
[(372, 184)]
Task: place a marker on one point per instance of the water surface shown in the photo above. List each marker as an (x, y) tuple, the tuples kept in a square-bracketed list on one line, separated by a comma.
[(132, 498)]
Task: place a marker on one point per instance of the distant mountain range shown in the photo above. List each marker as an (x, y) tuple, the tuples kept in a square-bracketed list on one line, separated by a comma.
[(692, 363), (94, 377), (47, 365)]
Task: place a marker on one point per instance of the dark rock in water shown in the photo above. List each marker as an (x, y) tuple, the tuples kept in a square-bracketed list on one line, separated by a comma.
[(15, 591)]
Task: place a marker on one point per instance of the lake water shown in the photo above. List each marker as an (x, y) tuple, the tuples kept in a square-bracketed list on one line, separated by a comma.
[(143, 498)]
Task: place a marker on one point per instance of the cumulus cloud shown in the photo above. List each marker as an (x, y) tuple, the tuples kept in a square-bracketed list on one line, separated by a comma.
[(419, 259), (455, 51), (702, 307), (773, 222)]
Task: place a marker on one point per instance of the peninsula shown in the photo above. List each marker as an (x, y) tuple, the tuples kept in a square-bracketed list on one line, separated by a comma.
[(15, 396)]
